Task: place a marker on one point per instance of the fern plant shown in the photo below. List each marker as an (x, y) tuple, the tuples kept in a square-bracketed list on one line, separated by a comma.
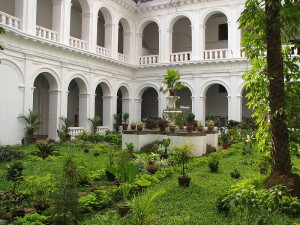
[(45, 150)]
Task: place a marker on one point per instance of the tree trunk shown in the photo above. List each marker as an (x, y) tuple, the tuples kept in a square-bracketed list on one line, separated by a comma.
[(281, 162)]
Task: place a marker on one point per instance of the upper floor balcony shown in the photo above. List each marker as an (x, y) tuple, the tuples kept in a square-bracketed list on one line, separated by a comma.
[(147, 41)]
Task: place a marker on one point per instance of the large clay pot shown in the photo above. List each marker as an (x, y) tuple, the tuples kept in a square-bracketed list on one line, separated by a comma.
[(172, 129), (132, 126), (190, 129), (124, 126), (184, 181), (200, 128), (123, 209), (140, 127)]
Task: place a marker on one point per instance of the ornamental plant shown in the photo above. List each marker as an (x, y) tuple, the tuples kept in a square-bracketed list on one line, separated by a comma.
[(172, 80)]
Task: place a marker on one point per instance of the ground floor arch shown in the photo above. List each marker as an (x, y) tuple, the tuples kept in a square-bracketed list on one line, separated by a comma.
[(217, 103), (185, 101), (149, 105), (103, 104)]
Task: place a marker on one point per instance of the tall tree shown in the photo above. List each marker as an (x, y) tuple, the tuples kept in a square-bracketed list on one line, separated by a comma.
[(266, 25)]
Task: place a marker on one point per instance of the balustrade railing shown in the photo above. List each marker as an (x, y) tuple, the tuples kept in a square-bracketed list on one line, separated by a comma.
[(9, 20), (102, 129), (122, 57), (73, 131), (46, 33), (149, 59), (180, 56), (102, 51), (77, 43), (215, 54)]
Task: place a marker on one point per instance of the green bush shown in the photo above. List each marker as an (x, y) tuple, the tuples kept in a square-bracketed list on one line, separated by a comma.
[(96, 138), (8, 154), (31, 219), (151, 147)]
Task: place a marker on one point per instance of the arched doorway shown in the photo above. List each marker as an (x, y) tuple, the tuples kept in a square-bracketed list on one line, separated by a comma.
[(185, 101), (149, 103), (217, 103), (45, 104), (103, 104), (246, 112)]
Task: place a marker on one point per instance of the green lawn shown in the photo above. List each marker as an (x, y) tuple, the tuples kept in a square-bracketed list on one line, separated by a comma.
[(176, 206)]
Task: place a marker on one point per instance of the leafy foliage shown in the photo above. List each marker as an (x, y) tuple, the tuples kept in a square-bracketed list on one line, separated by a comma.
[(8, 154), (45, 150), (95, 123), (33, 124)]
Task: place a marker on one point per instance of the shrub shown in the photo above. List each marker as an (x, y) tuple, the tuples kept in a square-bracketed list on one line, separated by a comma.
[(235, 173), (150, 123), (8, 154), (151, 147), (213, 165), (97, 138), (31, 219), (45, 150)]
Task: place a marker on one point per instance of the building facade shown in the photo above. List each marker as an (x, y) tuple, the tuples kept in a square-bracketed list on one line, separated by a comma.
[(82, 58)]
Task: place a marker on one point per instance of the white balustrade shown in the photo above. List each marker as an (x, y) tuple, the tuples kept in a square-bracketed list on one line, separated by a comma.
[(43, 32), (122, 57), (74, 131), (148, 59), (102, 51), (102, 129), (9, 20), (77, 43), (216, 54), (180, 56)]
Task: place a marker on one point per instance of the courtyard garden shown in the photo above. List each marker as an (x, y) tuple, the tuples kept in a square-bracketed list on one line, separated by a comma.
[(91, 180)]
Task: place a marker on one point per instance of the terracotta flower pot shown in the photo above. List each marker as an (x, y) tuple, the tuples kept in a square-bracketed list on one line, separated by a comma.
[(124, 126), (190, 129), (184, 181), (140, 127), (172, 129), (132, 127), (124, 209), (211, 127), (200, 128)]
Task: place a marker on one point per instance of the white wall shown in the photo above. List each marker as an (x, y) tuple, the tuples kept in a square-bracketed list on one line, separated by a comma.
[(11, 106)]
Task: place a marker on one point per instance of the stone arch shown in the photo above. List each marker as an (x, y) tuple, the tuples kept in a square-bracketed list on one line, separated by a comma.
[(51, 76), (208, 84), (145, 86), (211, 12), (85, 6), (176, 17), (104, 102), (82, 83), (217, 100), (123, 100), (124, 37), (141, 26), (107, 13)]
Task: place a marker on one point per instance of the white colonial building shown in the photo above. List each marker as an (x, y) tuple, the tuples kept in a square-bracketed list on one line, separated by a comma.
[(81, 58)]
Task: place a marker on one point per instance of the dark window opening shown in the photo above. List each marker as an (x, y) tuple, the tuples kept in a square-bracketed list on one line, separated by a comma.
[(222, 89), (223, 32)]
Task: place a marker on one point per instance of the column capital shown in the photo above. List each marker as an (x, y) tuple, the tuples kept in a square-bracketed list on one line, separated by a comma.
[(32, 89), (108, 25), (169, 30), (22, 88)]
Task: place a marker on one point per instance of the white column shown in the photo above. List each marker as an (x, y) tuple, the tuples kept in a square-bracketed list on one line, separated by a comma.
[(126, 102), (168, 45), (232, 39), (230, 103), (54, 109), (107, 111), (196, 107), (87, 30), (195, 42), (109, 39), (138, 109), (127, 46), (201, 40), (25, 10), (160, 107), (202, 102), (61, 19), (92, 105), (83, 110), (239, 111), (139, 46)]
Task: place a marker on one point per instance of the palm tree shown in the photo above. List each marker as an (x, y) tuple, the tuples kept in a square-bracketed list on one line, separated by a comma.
[(33, 124)]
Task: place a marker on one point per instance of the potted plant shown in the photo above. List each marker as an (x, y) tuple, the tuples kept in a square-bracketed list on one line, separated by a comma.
[(172, 127), (213, 165), (95, 123), (125, 124), (190, 122), (200, 125), (139, 126), (150, 123), (179, 120), (118, 122), (182, 155), (63, 133), (165, 143), (124, 207), (210, 125), (172, 80), (225, 139), (32, 126), (133, 126), (212, 117), (162, 124)]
